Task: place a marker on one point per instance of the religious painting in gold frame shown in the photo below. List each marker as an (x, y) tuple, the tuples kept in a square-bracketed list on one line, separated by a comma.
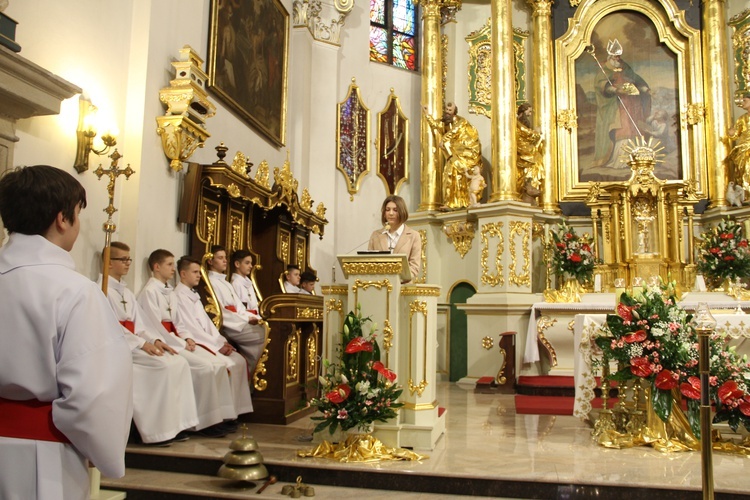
[(741, 52), (247, 62), (353, 139), (480, 68), (656, 46), (393, 145)]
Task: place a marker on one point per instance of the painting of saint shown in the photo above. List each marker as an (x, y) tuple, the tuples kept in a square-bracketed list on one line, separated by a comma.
[(626, 88), (247, 61)]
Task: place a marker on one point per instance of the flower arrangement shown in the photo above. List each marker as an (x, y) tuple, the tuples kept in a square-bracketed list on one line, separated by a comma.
[(572, 254), (653, 340), (724, 253), (359, 390)]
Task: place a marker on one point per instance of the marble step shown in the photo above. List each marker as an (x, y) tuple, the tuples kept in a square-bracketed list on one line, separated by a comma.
[(147, 485)]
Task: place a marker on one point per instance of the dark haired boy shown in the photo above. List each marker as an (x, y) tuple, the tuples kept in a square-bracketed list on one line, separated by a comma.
[(65, 386), (291, 281), (213, 394), (307, 282), (240, 326), (194, 325), (242, 266)]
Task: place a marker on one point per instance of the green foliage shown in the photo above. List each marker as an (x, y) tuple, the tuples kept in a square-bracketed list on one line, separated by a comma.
[(572, 254)]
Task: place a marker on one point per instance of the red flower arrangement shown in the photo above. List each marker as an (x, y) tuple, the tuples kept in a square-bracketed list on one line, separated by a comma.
[(359, 390)]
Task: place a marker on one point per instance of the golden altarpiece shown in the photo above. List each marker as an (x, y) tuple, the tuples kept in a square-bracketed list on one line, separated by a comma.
[(265, 214)]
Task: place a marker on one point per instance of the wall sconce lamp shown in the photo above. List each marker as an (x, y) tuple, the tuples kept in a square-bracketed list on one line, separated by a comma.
[(85, 134)]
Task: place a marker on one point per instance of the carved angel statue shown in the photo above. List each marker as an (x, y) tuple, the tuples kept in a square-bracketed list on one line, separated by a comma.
[(476, 186), (739, 156), (529, 147), (735, 194)]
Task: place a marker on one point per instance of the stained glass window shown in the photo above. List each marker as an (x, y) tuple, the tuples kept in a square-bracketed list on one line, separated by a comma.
[(393, 33)]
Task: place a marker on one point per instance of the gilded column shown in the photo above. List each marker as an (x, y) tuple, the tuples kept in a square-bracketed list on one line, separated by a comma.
[(543, 97), (503, 128), (718, 99), (432, 97)]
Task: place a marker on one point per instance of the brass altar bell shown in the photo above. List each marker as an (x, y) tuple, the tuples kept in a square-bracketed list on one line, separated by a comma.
[(244, 462)]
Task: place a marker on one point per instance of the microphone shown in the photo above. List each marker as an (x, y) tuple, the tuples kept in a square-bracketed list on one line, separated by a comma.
[(386, 228)]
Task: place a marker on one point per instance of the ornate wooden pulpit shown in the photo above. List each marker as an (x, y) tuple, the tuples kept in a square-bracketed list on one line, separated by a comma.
[(225, 205)]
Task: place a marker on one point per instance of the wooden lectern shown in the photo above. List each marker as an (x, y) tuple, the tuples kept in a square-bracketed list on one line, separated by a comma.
[(406, 318)]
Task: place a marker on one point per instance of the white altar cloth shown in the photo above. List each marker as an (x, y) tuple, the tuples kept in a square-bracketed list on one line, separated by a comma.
[(735, 325)]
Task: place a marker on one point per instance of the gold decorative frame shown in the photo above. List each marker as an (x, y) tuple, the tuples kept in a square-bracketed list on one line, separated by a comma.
[(741, 52), (492, 230), (422, 278), (393, 145), (523, 229), (353, 139), (261, 62), (417, 306), (680, 38), (480, 68)]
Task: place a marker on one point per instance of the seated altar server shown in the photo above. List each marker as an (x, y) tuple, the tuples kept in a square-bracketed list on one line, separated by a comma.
[(240, 326), (163, 399), (194, 325), (213, 394), (291, 280), (65, 369), (307, 283), (242, 266)]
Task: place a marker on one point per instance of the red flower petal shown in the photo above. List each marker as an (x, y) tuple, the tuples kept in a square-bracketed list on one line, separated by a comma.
[(381, 369), (745, 408), (665, 381), (358, 344), (637, 336), (623, 311), (640, 367), (339, 394), (728, 391), (689, 390)]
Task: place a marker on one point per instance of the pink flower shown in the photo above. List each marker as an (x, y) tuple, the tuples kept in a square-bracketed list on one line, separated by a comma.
[(343, 414)]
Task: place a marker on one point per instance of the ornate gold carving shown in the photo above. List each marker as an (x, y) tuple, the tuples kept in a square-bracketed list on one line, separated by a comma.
[(284, 178), (283, 246), (488, 343), (423, 274), (740, 24), (492, 230), (291, 349), (387, 335), (372, 268), (523, 229), (335, 290), (421, 291), (543, 324), (572, 325), (693, 114), (309, 313), (261, 175), (301, 252), (235, 236), (461, 233), (259, 383), (320, 210), (239, 164), (500, 378), (537, 231), (333, 305), (420, 406), (574, 3), (567, 119), (305, 201), (233, 190), (417, 306), (311, 371)]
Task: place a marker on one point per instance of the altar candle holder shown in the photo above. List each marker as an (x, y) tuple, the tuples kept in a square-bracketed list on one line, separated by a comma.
[(705, 324)]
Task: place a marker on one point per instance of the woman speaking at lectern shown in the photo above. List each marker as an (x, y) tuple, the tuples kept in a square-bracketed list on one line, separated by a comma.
[(396, 236)]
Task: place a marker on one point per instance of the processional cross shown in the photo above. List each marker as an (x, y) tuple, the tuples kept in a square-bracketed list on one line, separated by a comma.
[(109, 226)]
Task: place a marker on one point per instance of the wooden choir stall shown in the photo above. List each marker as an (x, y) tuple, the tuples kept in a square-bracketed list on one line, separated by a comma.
[(265, 214)]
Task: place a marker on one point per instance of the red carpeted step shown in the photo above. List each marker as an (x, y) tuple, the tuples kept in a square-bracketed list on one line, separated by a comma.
[(549, 405), (546, 381)]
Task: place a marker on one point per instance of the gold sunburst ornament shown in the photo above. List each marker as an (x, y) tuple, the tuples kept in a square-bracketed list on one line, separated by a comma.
[(642, 151)]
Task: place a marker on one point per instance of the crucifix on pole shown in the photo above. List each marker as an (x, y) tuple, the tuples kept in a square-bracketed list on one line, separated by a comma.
[(109, 226)]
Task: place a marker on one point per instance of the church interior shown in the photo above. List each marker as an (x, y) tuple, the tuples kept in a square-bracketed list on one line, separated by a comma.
[(280, 126)]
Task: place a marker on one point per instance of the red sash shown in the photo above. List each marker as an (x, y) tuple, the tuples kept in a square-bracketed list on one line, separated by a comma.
[(253, 311), (31, 419), (169, 326), (231, 308), (130, 325)]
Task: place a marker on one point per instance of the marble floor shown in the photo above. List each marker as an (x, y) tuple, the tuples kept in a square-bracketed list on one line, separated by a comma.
[(486, 440)]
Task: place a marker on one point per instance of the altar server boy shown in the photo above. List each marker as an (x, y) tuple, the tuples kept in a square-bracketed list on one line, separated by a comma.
[(240, 326), (242, 266), (163, 399), (65, 369), (213, 394), (194, 325)]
